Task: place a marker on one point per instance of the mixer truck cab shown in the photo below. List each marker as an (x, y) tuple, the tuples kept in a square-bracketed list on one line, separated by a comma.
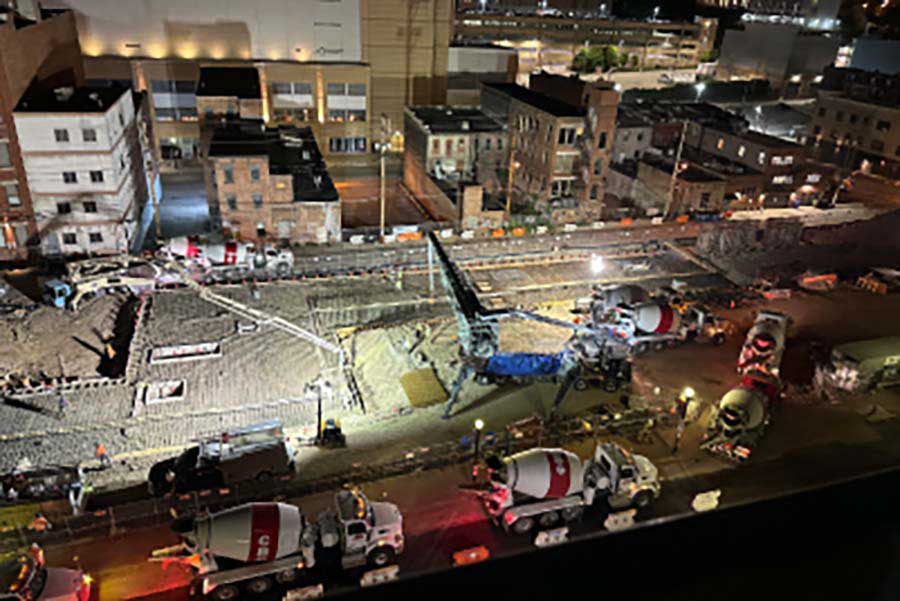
[(371, 532), (629, 479), (26, 580)]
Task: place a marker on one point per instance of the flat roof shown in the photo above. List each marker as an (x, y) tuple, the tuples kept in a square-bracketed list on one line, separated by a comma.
[(548, 104), (290, 151), (242, 82), (689, 174), (444, 119), (863, 350), (86, 99)]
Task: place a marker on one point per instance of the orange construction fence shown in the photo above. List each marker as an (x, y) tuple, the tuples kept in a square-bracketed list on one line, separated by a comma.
[(469, 556)]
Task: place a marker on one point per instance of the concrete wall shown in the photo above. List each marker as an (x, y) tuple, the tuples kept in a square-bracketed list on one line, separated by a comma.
[(631, 142)]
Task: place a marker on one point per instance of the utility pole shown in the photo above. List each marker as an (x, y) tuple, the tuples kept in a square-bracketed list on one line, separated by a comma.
[(383, 149), (512, 169), (671, 199)]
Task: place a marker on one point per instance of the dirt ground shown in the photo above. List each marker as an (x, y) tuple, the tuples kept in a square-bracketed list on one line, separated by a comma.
[(58, 342)]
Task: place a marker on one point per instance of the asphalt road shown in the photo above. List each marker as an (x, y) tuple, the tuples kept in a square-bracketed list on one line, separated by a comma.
[(441, 518)]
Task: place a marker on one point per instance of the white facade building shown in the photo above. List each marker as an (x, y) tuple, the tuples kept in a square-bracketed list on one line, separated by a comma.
[(82, 155)]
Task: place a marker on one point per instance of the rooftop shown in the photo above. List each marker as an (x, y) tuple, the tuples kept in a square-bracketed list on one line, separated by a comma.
[(242, 82), (690, 173), (718, 164), (290, 151), (88, 99), (442, 119), (540, 101)]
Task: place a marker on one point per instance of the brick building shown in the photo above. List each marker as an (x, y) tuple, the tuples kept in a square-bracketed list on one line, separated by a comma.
[(856, 123), (271, 183), (39, 48), (559, 152)]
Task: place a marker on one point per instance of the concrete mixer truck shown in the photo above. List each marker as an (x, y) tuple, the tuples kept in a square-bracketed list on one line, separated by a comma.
[(548, 486), (230, 259), (739, 421), (245, 551)]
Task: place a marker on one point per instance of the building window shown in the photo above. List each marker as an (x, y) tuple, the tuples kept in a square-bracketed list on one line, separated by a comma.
[(89, 135), (877, 145), (594, 192), (487, 143), (173, 100), (435, 146), (4, 155), (61, 135), (70, 177), (70, 239), (720, 145), (97, 177), (640, 137), (822, 111), (817, 130), (63, 208), (602, 142), (566, 135), (90, 207), (762, 158), (499, 143), (12, 195), (854, 118), (742, 150), (704, 199), (883, 126), (95, 237), (121, 120), (897, 152), (783, 179), (231, 201), (461, 143), (448, 147), (839, 116), (257, 201), (228, 174), (783, 160), (356, 89), (358, 145), (813, 178), (341, 115), (598, 167), (254, 173)]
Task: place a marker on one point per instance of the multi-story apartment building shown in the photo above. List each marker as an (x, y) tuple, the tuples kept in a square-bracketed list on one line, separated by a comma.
[(31, 50), (82, 155), (559, 152), (455, 143), (856, 123), (334, 66), (228, 93), (553, 40), (271, 184)]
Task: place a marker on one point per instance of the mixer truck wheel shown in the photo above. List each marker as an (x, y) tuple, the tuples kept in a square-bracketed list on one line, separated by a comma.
[(580, 384), (548, 519), (611, 384), (718, 338), (287, 576), (228, 592), (381, 556), (260, 585), (572, 514), (642, 498), (523, 526), (282, 269)]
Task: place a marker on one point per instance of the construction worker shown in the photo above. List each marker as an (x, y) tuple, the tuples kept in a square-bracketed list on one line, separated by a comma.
[(101, 455), (681, 407), (37, 554), (39, 523), (63, 405)]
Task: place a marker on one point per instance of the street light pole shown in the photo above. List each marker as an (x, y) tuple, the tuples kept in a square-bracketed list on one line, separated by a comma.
[(383, 148), (671, 199), (512, 169), (479, 426)]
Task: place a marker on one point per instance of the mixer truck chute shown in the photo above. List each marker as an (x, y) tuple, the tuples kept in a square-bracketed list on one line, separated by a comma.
[(249, 548), (548, 486)]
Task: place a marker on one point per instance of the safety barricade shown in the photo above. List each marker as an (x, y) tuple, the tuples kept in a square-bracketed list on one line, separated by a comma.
[(621, 520), (546, 538), (379, 576), (315, 591), (470, 556)]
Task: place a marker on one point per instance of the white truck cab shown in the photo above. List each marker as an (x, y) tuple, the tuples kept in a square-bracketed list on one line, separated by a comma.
[(632, 479), (25, 580), (369, 532)]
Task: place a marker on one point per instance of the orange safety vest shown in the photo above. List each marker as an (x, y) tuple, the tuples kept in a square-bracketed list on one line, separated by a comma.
[(101, 450)]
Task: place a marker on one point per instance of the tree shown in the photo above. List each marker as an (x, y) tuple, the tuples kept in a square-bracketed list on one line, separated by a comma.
[(588, 60)]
